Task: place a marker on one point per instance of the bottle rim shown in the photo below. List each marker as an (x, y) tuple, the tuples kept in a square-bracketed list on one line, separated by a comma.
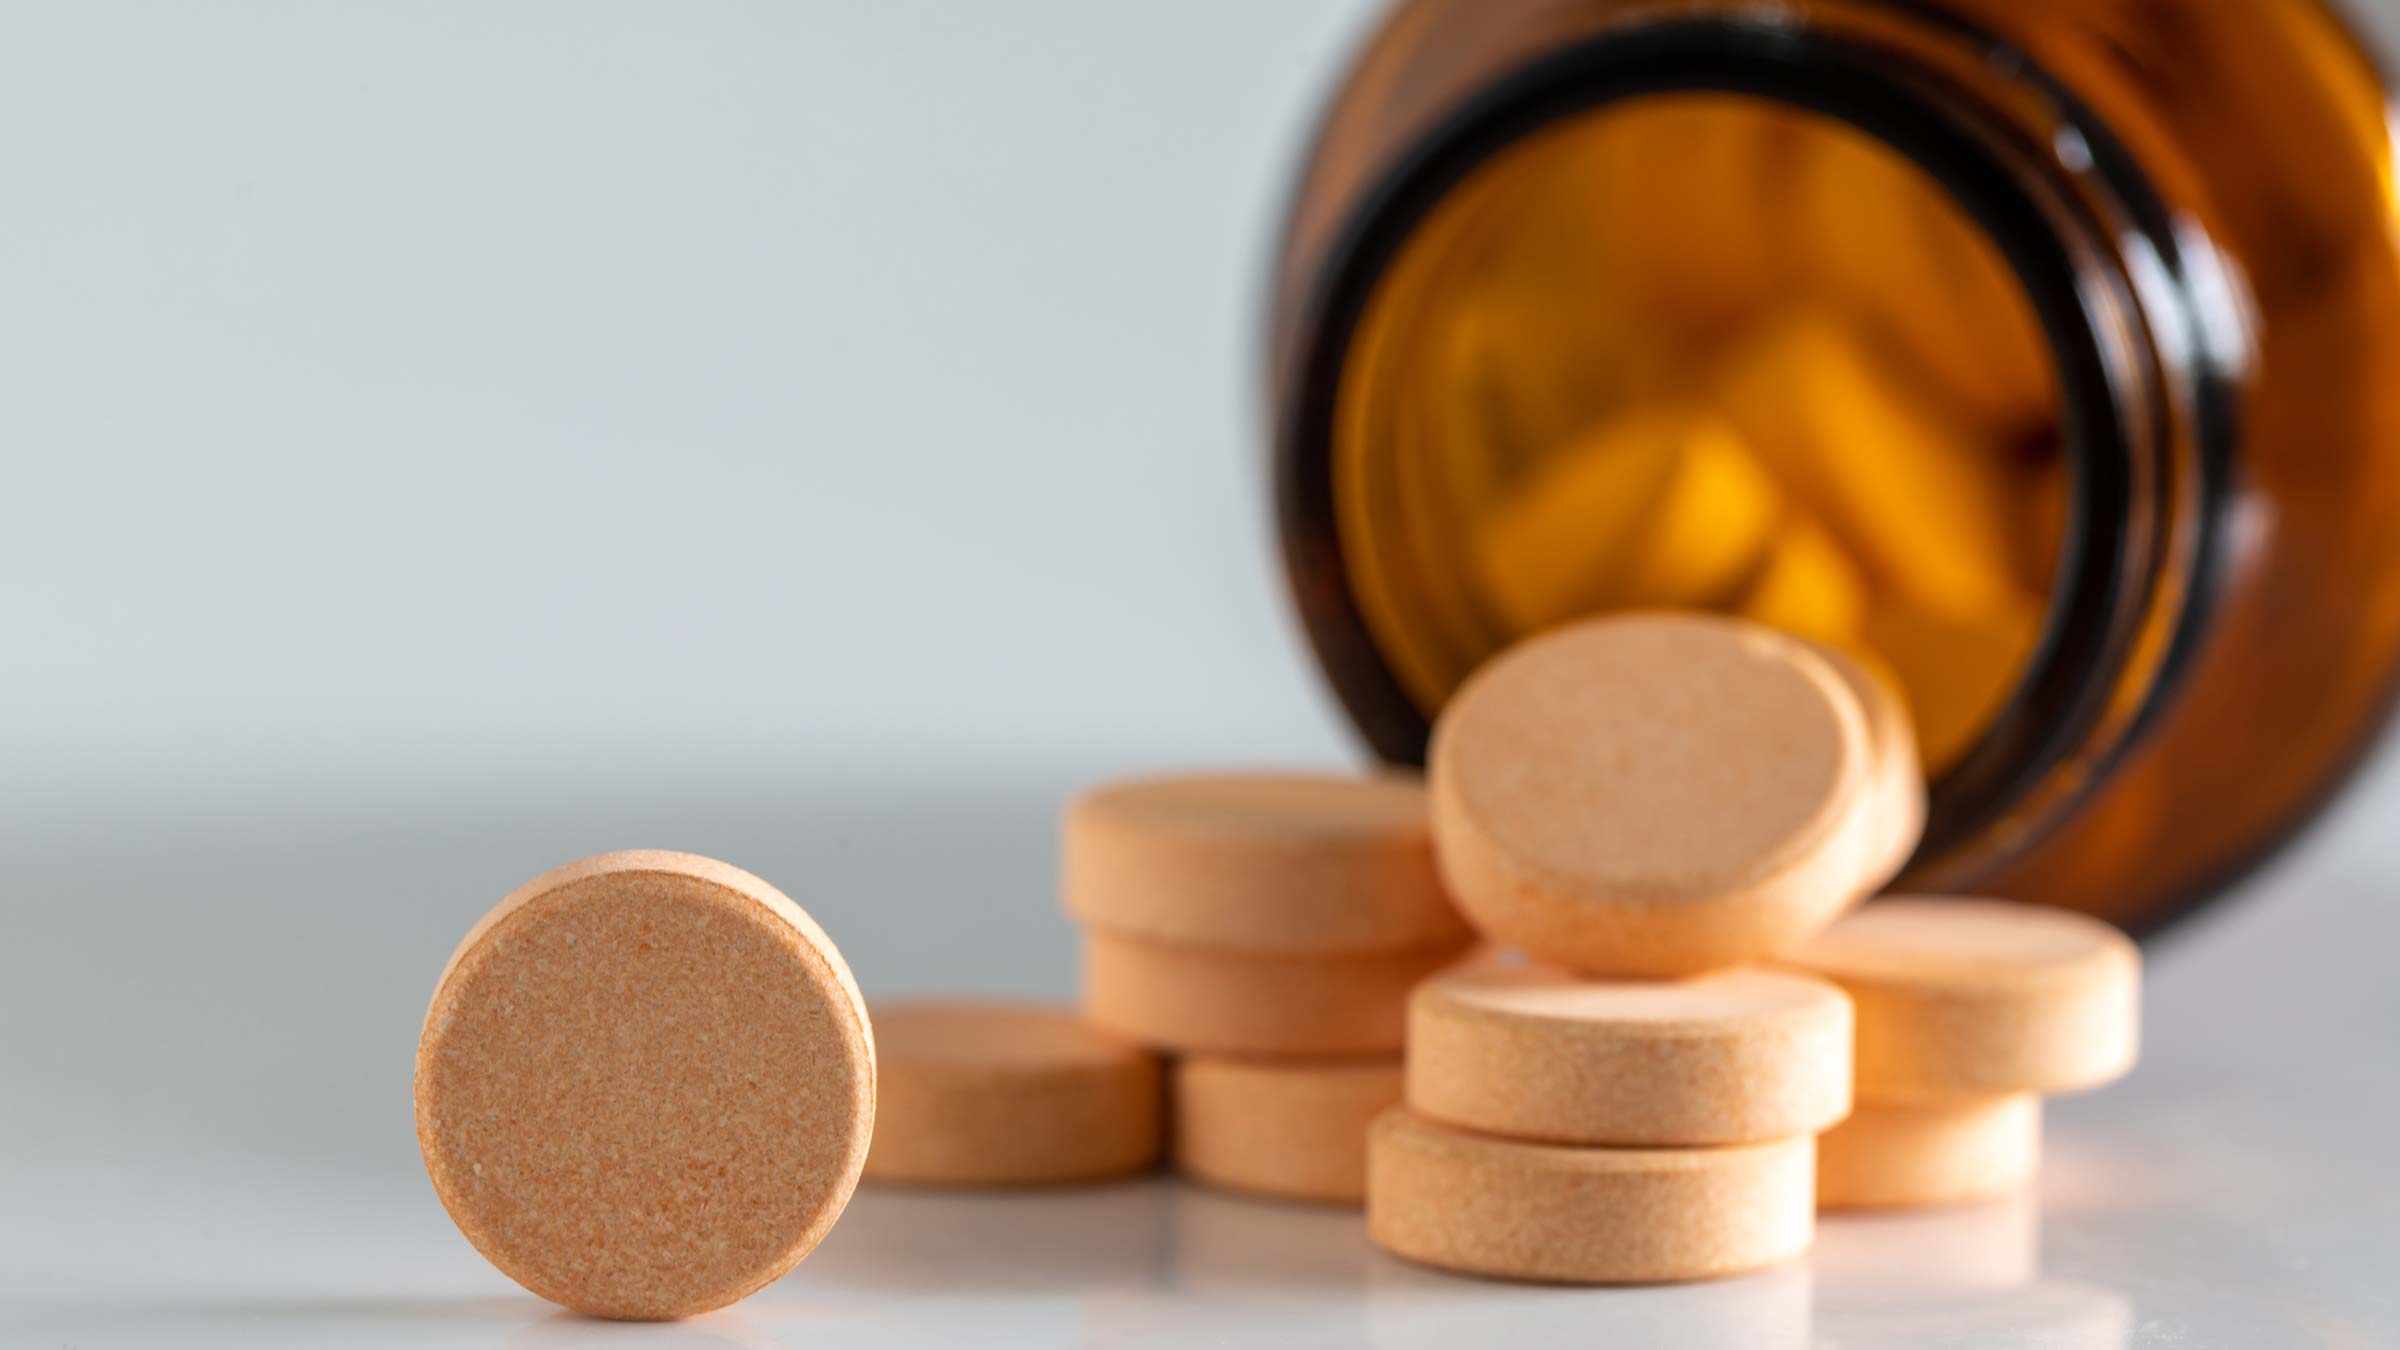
[(2145, 376)]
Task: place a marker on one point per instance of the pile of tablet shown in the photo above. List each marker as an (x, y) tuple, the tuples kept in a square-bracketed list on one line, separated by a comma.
[(1595, 1003)]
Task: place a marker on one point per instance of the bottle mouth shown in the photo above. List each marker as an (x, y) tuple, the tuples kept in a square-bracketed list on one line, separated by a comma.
[(2141, 414)]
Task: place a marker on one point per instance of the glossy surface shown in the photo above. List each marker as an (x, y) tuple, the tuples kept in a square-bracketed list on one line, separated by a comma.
[(204, 1141), (246, 1178), (1703, 350), (2205, 218)]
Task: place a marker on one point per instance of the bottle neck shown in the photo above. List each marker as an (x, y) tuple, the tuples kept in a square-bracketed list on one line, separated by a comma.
[(2144, 367), (2135, 305)]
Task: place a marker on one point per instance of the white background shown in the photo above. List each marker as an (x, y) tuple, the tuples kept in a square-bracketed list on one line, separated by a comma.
[(444, 440)]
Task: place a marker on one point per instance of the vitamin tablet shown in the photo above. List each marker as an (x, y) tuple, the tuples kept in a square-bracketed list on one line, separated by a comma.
[(1970, 998), (1898, 785), (646, 1085), (1196, 998), (1009, 1094), (1913, 493), (1708, 537), (1896, 1157), (1653, 794), (1279, 863), (1807, 585), (1527, 1211), (1553, 547), (1532, 1052), (1663, 506), (1917, 272), (1286, 1127)]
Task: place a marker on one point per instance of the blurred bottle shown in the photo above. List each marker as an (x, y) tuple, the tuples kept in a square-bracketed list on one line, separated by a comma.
[(2039, 351)]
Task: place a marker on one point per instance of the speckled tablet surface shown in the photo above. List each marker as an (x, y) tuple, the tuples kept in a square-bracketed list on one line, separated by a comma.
[(1896, 776), (646, 1085), (1000, 1094), (1533, 1052), (1905, 1157), (1965, 998), (1300, 863), (1654, 795), (1194, 998), (1503, 1207), (1290, 1127)]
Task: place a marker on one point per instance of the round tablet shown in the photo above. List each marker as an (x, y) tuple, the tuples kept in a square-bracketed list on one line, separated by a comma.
[(1282, 863), (1898, 1157), (1896, 774), (1532, 1052), (1286, 1127), (646, 1085), (1970, 998), (1008, 1094), (1526, 1211), (1195, 998), (1653, 795)]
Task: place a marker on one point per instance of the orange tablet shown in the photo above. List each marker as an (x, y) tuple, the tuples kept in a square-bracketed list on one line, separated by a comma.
[(1655, 795), (999, 1094), (646, 1085)]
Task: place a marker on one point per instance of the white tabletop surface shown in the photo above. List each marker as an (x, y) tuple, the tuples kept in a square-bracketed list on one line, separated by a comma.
[(209, 1143), (440, 441)]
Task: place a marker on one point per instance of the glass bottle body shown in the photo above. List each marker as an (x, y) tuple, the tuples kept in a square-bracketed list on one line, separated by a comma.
[(2033, 351)]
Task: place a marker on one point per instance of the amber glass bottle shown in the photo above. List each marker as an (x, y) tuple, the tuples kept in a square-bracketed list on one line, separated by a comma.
[(2044, 352)]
